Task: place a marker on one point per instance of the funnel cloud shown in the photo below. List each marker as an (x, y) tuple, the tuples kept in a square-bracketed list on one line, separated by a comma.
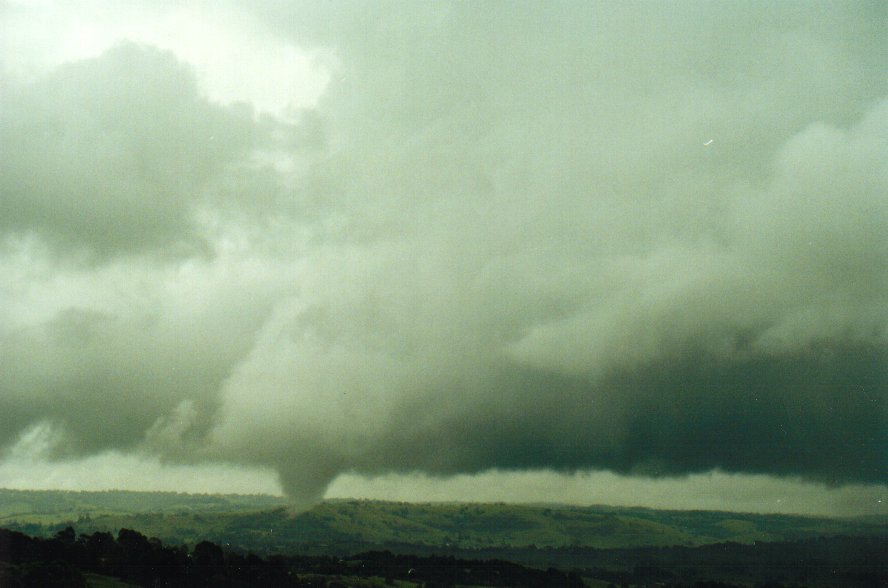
[(576, 237)]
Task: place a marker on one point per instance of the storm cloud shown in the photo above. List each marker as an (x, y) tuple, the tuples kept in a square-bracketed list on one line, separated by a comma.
[(581, 236)]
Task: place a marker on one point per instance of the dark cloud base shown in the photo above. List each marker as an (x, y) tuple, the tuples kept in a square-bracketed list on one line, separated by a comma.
[(818, 414)]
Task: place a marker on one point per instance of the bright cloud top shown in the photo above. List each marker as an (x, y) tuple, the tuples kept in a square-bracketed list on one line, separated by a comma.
[(234, 55)]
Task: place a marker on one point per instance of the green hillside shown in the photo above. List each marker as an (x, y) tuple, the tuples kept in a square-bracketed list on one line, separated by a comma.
[(263, 524), (52, 504)]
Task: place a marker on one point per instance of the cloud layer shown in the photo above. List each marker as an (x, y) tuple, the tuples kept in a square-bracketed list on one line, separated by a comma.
[(501, 239)]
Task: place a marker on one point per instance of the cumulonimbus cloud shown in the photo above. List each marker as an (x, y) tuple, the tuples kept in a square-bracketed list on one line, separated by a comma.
[(499, 241)]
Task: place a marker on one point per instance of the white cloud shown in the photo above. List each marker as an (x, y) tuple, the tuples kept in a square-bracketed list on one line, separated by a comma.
[(116, 471), (235, 57)]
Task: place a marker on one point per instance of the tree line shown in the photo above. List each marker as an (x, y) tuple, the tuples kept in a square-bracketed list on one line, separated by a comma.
[(65, 560)]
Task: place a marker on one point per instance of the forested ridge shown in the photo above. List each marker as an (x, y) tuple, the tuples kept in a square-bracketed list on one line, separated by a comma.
[(131, 558), (67, 560)]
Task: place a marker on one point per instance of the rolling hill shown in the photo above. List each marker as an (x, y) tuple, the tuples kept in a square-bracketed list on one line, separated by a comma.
[(263, 524)]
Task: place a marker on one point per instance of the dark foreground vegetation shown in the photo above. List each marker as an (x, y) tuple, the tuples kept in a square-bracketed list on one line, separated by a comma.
[(69, 561), (100, 559)]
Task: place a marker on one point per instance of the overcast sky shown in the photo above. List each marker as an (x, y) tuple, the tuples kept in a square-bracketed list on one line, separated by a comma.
[(595, 252)]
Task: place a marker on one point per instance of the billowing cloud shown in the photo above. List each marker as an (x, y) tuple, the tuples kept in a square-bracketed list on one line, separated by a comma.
[(569, 238), (234, 56), (114, 152)]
